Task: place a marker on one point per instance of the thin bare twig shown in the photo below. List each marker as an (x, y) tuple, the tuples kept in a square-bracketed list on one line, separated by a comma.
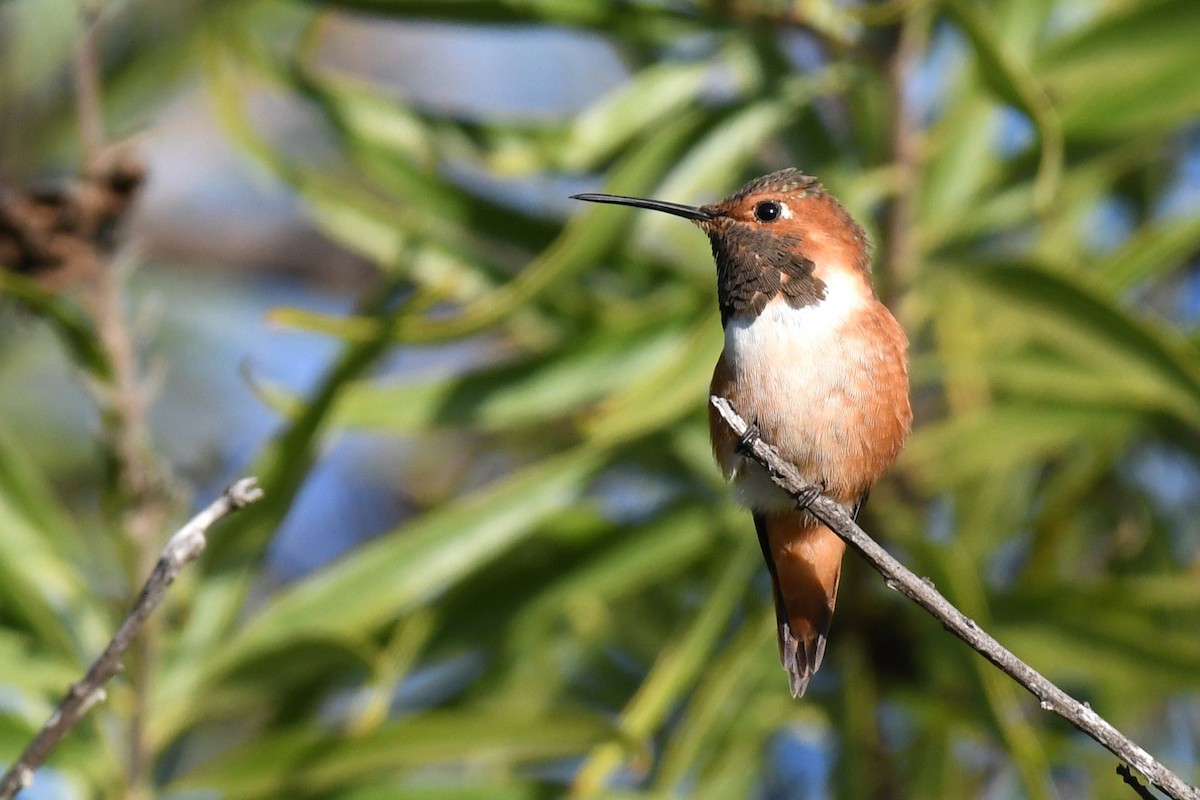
[(187, 543), (87, 88), (924, 594), (142, 482), (901, 254)]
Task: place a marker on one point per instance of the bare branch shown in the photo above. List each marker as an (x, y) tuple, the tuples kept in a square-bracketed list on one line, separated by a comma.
[(186, 544), (87, 88), (924, 594), (142, 481), (896, 267)]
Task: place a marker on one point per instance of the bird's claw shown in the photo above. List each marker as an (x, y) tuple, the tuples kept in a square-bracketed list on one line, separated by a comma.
[(809, 493), (745, 442)]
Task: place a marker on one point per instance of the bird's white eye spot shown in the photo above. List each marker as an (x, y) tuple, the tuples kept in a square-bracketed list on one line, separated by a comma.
[(771, 210)]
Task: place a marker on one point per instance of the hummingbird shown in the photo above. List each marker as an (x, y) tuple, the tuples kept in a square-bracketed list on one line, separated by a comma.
[(819, 365)]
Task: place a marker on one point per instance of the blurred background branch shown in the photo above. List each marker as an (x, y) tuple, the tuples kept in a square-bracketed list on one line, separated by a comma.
[(185, 545)]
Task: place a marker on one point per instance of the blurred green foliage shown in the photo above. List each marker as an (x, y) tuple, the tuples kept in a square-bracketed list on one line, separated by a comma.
[(540, 632)]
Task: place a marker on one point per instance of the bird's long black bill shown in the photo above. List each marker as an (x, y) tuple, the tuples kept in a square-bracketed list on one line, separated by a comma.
[(678, 209)]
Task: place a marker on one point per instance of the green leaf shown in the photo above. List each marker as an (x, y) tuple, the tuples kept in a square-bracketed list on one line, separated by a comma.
[(650, 96), (646, 557), (29, 496), (1156, 249), (1052, 380), (430, 789), (580, 246), (671, 392), (33, 673), (1014, 83), (529, 393), (678, 667), (963, 138), (308, 761), (285, 462), (395, 573), (1073, 318), (67, 321), (40, 588), (964, 448), (717, 701), (631, 20), (718, 160), (1131, 71), (1100, 645), (398, 149)]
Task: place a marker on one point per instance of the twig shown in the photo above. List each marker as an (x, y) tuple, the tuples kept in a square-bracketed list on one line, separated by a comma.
[(925, 595), (87, 88), (143, 489), (187, 543), (901, 253)]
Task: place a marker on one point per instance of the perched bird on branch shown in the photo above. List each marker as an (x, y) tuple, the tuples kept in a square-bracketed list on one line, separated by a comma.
[(819, 365)]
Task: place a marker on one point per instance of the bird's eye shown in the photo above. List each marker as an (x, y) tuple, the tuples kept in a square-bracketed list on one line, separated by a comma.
[(768, 211)]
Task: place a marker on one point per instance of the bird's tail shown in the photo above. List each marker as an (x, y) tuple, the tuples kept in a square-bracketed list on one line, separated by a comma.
[(805, 560)]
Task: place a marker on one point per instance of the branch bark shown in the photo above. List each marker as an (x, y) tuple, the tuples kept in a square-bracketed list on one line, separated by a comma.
[(87, 87), (184, 546), (109, 185), (897, 264), (924, 594)]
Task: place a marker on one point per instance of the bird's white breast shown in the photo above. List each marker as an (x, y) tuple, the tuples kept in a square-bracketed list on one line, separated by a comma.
[(792, 367), (782, 328)]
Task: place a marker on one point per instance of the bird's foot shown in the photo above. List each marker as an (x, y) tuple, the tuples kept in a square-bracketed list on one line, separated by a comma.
[(810, 492), (745, 442)]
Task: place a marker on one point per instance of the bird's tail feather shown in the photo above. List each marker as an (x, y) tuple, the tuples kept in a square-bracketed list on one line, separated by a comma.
[(805, 561)]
